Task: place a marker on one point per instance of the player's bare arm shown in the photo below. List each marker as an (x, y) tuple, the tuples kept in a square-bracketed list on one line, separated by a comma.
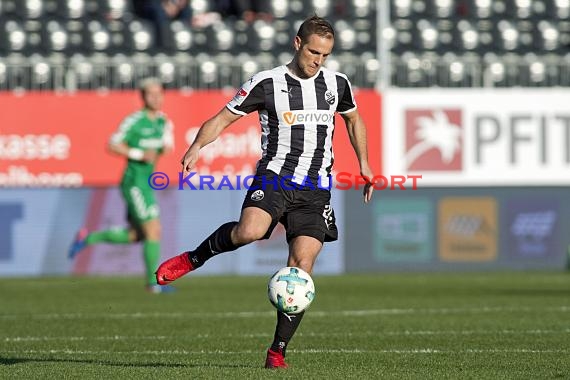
[(357, 134), (168, 138), (122, 149), (208, 133)]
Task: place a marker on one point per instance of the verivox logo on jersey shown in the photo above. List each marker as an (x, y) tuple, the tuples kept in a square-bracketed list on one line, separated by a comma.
[(300, 117), (433, 139)]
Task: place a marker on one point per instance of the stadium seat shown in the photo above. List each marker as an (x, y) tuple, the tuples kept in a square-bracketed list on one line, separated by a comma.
[(321, 7), (362, 9), (11, 8), (412, 74), (144, 65), (72, 9), (13, 36), (458, 70), (220, 37), (428, 35), (345, 36), (508, 36), (297, 8), (208, 72), (42, 72), (494, 71), (443, 9), (122, 72), (261, 37), (32, 9), (141, 36), (370, 72), (401, 9), (17, 72), (549, 35), (182, 36), (95, 8), (478, 9), (100, 37), (92, 73), (249, 66), (280, 9), (56, 37), (561, 9), (466, 36), (3, 76), (166, 71), (201, 6), (199, 41), (117, 9)]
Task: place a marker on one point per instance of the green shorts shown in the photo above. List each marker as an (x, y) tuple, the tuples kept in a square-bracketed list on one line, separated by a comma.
[(141, 203)]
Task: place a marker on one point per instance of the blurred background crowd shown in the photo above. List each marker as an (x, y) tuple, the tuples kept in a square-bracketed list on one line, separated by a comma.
[(92, 44)]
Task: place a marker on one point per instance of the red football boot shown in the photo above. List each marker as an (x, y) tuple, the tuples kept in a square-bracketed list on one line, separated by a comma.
[(173, 269), (275, 360)]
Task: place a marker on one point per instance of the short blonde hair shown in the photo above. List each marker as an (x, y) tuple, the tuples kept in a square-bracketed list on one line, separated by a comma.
[(315, 25), (146, 82)]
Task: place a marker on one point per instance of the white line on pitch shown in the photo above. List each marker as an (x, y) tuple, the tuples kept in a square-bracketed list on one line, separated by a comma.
[(265, 335), (301, 351), (316, 314)]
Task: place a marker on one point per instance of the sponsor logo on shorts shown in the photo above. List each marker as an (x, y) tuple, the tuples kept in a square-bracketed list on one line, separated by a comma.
[(328, 215)]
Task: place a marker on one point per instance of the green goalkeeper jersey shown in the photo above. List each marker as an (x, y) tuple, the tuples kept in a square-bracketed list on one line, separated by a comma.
[(139, 131)]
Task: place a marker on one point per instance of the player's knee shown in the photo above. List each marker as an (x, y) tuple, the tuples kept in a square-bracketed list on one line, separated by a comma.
[(156, 234), (136, 235), (248, 233), (303, 263), (153, 232)]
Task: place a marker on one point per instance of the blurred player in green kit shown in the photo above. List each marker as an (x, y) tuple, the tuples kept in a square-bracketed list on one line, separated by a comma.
[(141, 138)]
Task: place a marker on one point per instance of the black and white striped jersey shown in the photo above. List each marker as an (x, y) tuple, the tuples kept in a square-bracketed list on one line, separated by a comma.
[(297, 119)]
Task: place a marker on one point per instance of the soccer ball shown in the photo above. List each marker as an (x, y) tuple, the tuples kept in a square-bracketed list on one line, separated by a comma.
[(291, 290)]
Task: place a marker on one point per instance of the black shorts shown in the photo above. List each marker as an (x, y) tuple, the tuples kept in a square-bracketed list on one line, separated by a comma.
[(302, 211)]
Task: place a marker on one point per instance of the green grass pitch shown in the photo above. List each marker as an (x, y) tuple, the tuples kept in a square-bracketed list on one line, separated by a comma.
[(392, 326)]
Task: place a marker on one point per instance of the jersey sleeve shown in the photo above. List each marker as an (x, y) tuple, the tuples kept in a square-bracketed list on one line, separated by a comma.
[(346, 102), (168, 135), (121, 134), (249, 98)]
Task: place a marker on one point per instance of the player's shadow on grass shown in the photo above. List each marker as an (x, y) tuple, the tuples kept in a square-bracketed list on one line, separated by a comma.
[(13, 361), (532, 292)]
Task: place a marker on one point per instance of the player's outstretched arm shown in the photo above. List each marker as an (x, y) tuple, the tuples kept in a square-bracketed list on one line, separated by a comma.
[(357, 134), (122, 149), (208, 133)]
